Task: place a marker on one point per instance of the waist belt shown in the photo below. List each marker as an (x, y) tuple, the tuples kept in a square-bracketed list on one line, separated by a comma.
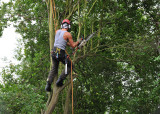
[(58, 50)]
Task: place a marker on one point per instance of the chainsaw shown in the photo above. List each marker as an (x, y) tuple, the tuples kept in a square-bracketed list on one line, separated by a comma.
[(84, 41)]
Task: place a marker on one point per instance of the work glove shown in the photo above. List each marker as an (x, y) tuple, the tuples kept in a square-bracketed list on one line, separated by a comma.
[(82, 44), (80, 40)]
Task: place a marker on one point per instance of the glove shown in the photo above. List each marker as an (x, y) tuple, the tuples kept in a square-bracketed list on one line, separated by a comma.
[(82, 44), (80, 40)]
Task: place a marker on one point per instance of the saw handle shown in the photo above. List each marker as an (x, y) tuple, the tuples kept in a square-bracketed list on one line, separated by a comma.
[(80, 40), (82, 44)]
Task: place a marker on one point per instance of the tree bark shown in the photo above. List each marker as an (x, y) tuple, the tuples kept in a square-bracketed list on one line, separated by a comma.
[(54, 99), (51, 32), (66, 108), (55, 96)]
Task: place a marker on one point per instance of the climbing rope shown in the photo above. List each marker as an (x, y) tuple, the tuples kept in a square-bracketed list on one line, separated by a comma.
[(71, 79)]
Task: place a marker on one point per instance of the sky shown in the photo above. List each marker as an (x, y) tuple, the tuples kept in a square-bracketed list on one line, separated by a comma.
[(8, 43)]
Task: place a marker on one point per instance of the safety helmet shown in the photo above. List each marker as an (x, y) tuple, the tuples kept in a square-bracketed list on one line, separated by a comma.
[(66, 24)]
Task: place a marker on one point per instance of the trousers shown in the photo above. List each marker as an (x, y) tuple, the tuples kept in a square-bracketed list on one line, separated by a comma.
[(58, 55)]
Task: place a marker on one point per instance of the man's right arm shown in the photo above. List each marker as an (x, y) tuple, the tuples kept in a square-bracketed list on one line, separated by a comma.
[(71, 42)]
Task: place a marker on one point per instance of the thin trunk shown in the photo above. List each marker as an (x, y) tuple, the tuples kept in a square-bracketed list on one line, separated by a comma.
[(98, 34), (51, 37), (92, 28), (54, 99), (66, 109), (79, 31), (84, 22), (158, 45), (51, 32), (67, 102), (100, 26)]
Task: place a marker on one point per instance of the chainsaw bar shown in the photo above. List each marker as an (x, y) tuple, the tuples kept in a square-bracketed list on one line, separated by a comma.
[(89, 37), (85, 40)]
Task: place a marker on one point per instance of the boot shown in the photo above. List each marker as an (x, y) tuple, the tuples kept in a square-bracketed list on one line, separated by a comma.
[(59, 82), (48, 87)]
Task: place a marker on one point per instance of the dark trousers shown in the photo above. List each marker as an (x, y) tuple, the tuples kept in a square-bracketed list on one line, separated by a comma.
[(58, 55)]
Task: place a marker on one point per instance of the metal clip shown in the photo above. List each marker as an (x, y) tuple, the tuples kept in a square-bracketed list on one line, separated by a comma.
[(57, 55), (66, 64)]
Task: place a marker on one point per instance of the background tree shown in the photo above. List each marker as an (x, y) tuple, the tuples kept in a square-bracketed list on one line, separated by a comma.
[(117, 71)]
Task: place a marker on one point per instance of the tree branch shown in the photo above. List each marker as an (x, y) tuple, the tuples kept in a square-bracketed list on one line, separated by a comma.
[(74, 9)]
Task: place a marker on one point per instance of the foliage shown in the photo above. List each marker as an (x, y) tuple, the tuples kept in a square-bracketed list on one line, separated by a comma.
[(19, 95), (117, 71), (3, 18)]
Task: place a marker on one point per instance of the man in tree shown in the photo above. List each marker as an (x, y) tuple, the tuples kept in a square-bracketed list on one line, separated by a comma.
[(62, 38)]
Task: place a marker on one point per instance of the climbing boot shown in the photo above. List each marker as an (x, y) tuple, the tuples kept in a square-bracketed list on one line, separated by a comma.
[(48, 87), (59, 82)]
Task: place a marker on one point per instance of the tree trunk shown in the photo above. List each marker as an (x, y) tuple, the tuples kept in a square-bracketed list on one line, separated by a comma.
[(66, 109), (54, 96), (54, 99), (51, 32)]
